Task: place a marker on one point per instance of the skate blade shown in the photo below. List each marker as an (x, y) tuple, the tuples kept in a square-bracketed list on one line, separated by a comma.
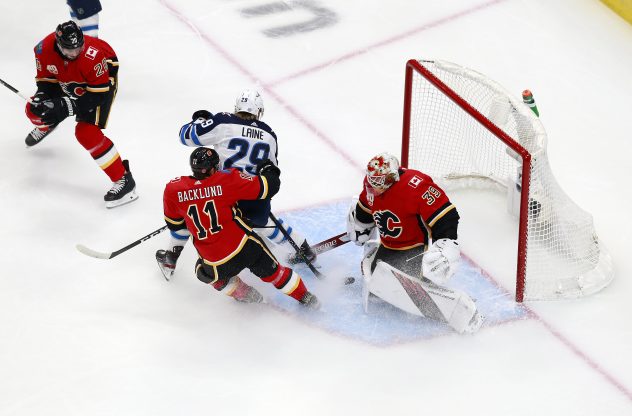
[(166, 272), (131, 196), (31, 141)]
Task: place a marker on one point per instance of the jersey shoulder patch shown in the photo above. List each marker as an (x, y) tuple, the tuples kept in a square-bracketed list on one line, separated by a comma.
[(415, 181), (91, 52)]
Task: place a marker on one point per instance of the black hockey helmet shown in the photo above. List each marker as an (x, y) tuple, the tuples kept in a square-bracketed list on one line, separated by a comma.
[(69, 35), (202, 160)]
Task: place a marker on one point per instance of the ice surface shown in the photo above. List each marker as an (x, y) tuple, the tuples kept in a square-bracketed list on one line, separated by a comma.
[(110, 337)]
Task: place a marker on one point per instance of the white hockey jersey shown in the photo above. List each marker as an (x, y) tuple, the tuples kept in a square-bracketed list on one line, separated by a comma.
[(241, 144)]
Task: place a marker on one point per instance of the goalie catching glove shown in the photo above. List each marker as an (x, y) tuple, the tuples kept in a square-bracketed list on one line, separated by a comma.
[(441, 260), (358, 232)]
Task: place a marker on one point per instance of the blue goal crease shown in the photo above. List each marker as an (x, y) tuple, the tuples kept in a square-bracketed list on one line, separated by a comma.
[(383, 325)]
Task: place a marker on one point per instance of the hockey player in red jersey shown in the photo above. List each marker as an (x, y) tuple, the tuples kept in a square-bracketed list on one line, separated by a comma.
[(204, 207), (77, 76), (242, 139), (417, 227)]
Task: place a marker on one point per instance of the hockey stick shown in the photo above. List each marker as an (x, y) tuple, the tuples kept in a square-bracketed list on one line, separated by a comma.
[(9, 86), (330, 243), (99, 255), (295, 246), (323, 246)]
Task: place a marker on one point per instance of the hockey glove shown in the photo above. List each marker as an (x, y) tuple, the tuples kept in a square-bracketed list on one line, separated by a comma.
[(271, 173), (357, 231), (57, 109), (266, 167), (203, 114), (35, 108), (441, 260)]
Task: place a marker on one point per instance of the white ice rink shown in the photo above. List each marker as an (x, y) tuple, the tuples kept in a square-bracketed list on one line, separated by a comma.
[(80, 336)]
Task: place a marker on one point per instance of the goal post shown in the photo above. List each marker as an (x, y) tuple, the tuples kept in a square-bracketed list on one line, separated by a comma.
[(466, 131)]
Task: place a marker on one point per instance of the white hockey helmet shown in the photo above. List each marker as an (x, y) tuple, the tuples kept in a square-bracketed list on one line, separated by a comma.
[(250, 101), (382, 172)]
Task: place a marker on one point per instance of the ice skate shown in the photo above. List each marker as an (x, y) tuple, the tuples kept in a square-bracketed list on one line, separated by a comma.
[(37, 135), (310, 301), (123, 191), (305, 251), (244, 293), (167, 260)]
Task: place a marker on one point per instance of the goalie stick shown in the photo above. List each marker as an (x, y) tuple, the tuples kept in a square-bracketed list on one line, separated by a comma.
[(100, 255)]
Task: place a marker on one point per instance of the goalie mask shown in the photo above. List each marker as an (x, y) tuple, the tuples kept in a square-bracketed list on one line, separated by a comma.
[(382, 172), (250, 101)]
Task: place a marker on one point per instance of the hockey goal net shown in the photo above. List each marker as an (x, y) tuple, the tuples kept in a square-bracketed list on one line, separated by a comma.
[(449, 134)]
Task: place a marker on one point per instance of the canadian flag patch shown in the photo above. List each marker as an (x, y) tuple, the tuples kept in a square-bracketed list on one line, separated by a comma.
[(91, 53), (414, 181)]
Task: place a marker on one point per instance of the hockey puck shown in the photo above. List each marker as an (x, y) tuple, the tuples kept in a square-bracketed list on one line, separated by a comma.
[(349, 280)]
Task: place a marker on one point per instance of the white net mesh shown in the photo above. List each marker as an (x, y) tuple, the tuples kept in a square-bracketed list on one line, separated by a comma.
[(563, 257)]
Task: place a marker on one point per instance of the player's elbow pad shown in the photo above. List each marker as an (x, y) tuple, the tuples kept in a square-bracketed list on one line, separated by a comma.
[(189, 136)]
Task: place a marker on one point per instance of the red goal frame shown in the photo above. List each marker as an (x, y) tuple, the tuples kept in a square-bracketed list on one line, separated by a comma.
[(413, 66)]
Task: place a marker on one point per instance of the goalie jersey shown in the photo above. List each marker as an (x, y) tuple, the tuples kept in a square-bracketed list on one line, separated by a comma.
[(241, 144), (206, 207), (410, 212)]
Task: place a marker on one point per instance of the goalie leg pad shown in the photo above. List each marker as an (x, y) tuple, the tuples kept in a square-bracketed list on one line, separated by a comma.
[(424, 298), (370, 251)]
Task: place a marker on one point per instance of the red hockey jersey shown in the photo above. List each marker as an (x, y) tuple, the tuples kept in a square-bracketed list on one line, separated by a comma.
[(207, 207), (91, 71), (405, 213)]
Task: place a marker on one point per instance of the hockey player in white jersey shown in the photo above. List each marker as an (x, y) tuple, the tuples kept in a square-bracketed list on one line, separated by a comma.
[(85, 13), (242, 141)]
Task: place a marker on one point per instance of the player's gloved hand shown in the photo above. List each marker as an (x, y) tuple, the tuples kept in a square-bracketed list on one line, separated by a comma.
[(266, 167), (441, 260), (271, 173), (357, 231), (203, 275), (35, 108), (57, 109), (203, 114)]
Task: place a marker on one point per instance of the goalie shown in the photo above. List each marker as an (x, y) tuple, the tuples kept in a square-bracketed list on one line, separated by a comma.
[(404, 269)]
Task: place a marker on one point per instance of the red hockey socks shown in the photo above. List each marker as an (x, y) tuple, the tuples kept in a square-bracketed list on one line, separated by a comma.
[(101, 149), (288, 282)]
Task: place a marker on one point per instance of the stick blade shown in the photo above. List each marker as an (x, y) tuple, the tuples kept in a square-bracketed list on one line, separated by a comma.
[(93, 253)]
